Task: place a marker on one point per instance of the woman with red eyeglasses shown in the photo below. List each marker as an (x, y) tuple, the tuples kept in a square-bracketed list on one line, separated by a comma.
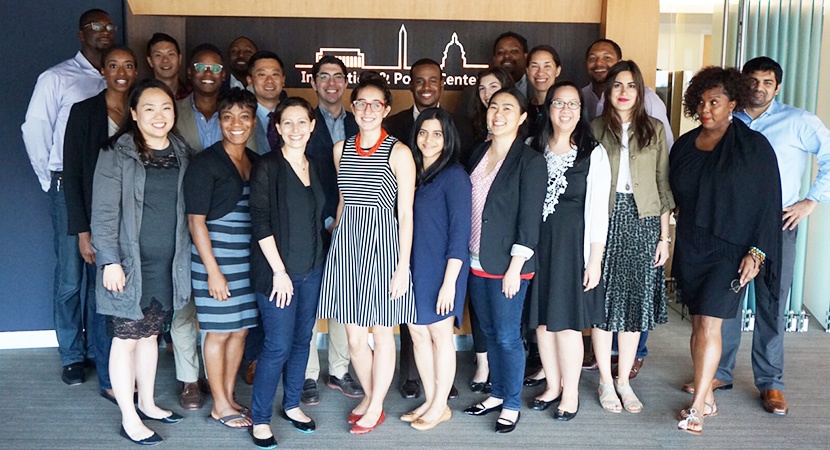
[(367, 283)]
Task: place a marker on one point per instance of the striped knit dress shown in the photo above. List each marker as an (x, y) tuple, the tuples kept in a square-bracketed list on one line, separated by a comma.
[(365, 246), (230, 238)]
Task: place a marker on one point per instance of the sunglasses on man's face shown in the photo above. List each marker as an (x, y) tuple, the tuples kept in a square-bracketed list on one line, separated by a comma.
[(201, 67), (98, 26)]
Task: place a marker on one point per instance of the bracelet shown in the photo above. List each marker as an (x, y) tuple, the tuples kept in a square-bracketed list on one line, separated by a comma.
[(279, 272), (757, 255), (666, 239)]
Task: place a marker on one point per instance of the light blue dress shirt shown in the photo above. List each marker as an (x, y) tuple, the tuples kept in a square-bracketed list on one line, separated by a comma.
[(209, 130), (336, 127), (261, 133), (57, 89), (795, 134)]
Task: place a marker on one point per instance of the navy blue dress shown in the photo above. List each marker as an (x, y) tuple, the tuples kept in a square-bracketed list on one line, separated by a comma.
[(442, 212)]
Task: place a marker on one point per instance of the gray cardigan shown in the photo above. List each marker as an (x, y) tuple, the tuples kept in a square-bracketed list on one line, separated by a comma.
[(117, 207)]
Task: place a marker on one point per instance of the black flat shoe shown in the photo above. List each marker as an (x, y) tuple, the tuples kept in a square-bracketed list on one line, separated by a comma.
[(453, 393), (155, 439), (302, 427), (172, 418), (541, 405), (107, 396), (507, 425), (532, 382), (263, 444), (565, 415), (479, 409), (477, 386)]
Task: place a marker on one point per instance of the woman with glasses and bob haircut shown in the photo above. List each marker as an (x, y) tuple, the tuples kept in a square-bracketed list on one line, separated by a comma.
[(726, 234), (567, 295), (638, 233), (367, 282)]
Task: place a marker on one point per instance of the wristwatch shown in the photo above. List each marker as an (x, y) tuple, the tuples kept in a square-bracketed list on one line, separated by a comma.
[(666, 239)]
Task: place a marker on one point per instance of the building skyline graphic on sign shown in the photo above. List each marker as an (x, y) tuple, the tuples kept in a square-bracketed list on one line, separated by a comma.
[(355, 58)]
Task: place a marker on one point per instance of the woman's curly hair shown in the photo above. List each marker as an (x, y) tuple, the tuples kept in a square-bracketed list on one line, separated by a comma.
[(734, 85)]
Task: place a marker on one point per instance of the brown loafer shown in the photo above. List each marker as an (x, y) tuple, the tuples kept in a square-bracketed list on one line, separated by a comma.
[(716, 386), (191, 396), (590, 363), (635, 369), (774, 402), (250, 371)]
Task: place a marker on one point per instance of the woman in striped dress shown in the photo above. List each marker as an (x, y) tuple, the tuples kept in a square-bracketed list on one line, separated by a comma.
[(367, 284), (216, 196)]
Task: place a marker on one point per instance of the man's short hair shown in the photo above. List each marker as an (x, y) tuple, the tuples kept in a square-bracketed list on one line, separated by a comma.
[(327, 59), (424, 62), (764, 64), (86, 17), (263, 54), (616, 46), (162, 37), (203, 48), (511, 34)]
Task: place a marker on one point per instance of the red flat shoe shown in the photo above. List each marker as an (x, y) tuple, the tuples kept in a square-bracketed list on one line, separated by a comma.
[(357, 429), (353, 418)]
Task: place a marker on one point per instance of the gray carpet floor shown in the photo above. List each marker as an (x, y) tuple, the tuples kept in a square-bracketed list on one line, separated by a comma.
[(37, 411)]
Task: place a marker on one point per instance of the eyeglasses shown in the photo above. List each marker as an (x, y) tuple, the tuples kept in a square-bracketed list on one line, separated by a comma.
[(559, 104), (201, 67), (375, 106), (338, 77), (98, 26)]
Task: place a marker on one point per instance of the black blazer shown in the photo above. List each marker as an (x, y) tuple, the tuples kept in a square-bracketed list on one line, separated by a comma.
[(400, 125), (86, 131), (513, 209), (320, 147)]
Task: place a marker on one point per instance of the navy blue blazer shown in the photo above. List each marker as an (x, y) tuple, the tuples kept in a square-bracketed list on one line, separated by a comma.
[(320, 147)]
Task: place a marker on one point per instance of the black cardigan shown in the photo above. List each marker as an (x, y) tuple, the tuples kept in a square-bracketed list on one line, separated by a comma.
[(321, 148), (269, 209), (212, 185), (513, 209), (86, 131)]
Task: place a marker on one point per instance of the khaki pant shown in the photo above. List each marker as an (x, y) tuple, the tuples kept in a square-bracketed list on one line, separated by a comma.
[(184, 332), (338, 352)]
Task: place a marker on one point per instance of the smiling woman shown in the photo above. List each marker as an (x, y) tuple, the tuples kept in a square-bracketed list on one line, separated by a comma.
[(216, 191)]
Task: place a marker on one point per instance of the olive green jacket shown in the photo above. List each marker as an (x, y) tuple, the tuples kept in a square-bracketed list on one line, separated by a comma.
[(649, 168)]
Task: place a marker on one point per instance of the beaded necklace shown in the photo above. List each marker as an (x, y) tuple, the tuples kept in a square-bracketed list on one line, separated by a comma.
[(371, 151)]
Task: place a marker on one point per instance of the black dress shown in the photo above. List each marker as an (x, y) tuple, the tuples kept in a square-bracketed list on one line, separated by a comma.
[(557, 297), (704, 265)]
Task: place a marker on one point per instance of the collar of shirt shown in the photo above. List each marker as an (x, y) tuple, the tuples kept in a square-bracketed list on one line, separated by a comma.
[(774, 107), (416, 113), (336, 126), (208, 128), (234, 82)]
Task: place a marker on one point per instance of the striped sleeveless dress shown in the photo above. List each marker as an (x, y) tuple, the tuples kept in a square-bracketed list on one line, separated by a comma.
[(230, 237), (365, 246)]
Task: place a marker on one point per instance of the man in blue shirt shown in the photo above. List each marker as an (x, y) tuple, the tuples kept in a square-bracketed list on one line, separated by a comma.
[(795, 135), (198, 124), (57, 89)]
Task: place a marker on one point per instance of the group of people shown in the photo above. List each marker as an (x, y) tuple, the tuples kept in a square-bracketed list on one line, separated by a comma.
[(224, 201)]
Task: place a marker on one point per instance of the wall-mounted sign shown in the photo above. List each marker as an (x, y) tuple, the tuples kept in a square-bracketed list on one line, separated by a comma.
[(391, 46)]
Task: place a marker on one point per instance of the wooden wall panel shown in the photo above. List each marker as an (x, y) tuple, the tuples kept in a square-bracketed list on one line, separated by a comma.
[(587, 11), (635, 25)]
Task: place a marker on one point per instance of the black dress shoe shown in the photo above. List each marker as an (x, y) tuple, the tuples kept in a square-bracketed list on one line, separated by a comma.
[(479, 409), (310, 395), (106, 395), (532, 382), (302, 427), (507, 425), (411, 389), (477, 386), (453, 393), (172, 418), (155, 439), (73, 374), (565, 415), (263, 444), (541, 405)]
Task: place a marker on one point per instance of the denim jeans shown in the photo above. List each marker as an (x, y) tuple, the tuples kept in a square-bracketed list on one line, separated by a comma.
[(285, 350), (71, 312), (501, 321), (642, 350)]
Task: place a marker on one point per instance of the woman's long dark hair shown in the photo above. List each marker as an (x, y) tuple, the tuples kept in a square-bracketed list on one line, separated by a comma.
[(479, 119), (640, 122), (581, 137), (128, 125), (448, 156)]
